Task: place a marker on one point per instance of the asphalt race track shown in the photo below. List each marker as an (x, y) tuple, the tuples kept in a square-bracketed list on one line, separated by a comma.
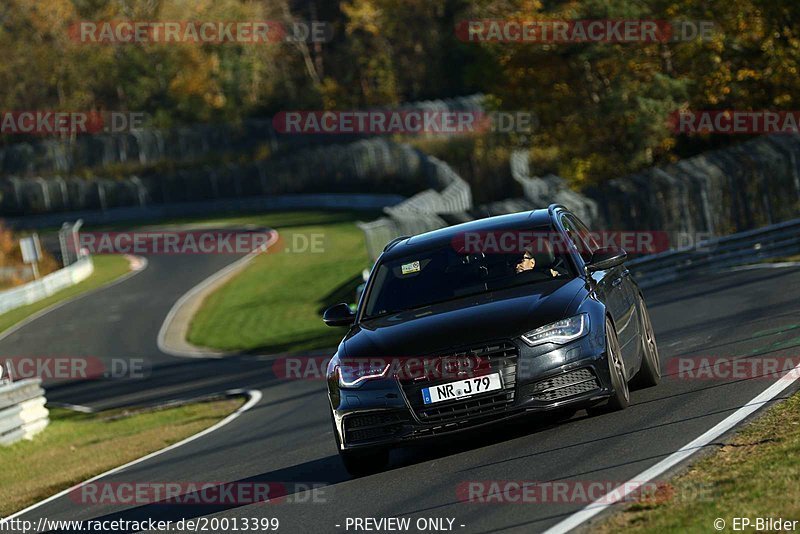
[(286, 437)]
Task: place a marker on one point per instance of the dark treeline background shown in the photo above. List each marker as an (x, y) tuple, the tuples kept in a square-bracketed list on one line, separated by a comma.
[(602, 107)]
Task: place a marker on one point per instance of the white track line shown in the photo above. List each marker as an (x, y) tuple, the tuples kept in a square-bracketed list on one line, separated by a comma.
[(73, 407), (137, 263), (181, 302), (254, 398), (677, 457)]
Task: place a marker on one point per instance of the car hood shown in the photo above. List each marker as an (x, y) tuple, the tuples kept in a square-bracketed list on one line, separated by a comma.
[(463, 322)]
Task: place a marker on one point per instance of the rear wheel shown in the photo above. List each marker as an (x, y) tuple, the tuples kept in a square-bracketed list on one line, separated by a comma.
[(621, 396), (650, 373), (366, 462)]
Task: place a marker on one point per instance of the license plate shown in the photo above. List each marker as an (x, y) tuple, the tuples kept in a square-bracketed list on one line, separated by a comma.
[(461, 388)]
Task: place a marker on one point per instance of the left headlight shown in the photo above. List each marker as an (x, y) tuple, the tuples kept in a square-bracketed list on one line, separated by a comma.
[(351, 373), (560, 332)]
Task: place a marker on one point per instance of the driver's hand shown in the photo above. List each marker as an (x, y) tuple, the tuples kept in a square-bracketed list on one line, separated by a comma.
[(525, 265)]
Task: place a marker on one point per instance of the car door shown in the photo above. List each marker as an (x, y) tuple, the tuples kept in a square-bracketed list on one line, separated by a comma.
[(630, 327), (613, 285), (605, 288), (631, 292)]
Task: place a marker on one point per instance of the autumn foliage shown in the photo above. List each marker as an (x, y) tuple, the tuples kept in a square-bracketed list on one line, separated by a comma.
[(602, 107)]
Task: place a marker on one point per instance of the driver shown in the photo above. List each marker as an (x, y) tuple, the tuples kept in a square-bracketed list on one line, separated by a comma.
[(528, 263)]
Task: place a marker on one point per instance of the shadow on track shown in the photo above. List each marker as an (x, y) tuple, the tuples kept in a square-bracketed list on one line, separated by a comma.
[(326, 470)]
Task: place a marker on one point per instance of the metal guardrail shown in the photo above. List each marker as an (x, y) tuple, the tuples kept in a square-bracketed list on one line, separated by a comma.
[(46, 286), (68, 242), (551, 189), (22, 410), (421, 212), (747, 247), (255, 204)]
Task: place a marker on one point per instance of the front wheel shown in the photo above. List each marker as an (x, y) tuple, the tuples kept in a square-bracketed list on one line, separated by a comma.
[(650, 372), (621, 396), (364, 462)]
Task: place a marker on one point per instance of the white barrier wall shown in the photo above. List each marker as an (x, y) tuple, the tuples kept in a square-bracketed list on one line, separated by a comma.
[(46, 286), (22, 410)]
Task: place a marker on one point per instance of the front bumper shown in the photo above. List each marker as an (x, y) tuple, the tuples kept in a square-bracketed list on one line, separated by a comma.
[(543, 378)]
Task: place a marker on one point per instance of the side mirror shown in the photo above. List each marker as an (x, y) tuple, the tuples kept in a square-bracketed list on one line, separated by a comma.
[(339, 315), (606, 258)]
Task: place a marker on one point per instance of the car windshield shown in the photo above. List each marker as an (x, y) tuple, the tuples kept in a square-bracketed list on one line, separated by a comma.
[(450, 272)]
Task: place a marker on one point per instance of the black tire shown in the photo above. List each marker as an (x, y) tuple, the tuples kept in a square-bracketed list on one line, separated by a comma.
[(621, 396), (359, 463), (649, 374)]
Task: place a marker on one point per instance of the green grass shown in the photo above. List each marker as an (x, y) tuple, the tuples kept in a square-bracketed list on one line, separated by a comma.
[(755, 475), (795, 257), (75, 447), (274, 304), (106, 269)]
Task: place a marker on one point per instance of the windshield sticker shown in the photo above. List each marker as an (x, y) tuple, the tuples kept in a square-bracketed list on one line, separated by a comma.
[(408, 268)]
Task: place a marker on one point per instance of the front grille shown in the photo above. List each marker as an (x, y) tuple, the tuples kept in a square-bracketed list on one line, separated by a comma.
[(372, 426), (562, 386), (499, 357)]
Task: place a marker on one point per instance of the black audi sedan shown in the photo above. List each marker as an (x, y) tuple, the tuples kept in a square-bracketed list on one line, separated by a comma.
[(476, 323)]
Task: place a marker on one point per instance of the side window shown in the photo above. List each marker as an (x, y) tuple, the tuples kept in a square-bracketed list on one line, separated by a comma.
[(584, 232), (576, 238)]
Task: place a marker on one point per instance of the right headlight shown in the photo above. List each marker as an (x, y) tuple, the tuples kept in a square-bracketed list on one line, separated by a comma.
[(560, 332)]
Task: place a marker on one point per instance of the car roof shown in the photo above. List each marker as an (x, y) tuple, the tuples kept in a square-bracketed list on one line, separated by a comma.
[(444, 236)]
